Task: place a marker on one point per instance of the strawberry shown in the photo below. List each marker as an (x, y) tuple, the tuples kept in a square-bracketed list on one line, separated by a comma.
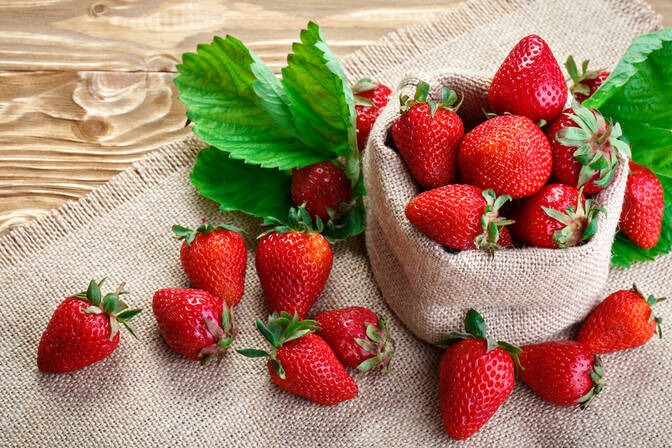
[(370, 100), (585, 148), (84, 329), (508, 154), (358, 337), (529, 82), (643, 207), (293, 264), (427, 136), (565, 373), (215, 259), (194, 322), (586, 82), (556, 217), (323, 188), (461, 217), (623, 320), (301, 362), (476, 376)]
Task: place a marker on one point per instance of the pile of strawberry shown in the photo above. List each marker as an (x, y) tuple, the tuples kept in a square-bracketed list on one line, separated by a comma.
[(308, 357), (547, 173), (477, 373)]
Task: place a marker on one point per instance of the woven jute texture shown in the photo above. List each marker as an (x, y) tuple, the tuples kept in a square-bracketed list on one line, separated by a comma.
[(146, 395)]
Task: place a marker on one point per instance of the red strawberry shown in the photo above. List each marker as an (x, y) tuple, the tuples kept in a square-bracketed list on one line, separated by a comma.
[(461, 217), (322, 187), (193, 322), (586, 82), (529, 82), (357, 336), (643, 207), (215, 259), (302, 362), (293, 266), (585, 149), (427, 136), (565, 373), (84, 329), (621, 321), (370, 99), (508, 154), (476, 376), (556, 217)]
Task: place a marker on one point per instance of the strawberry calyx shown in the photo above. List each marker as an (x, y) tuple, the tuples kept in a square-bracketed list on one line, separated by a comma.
[(448, 98), (597, 143), (380, 344), (476, 329), (188, 235), (281, 328), (596, 375), (363, 85), (577, 78), (223, 335), (651, 300), (491, 222), (579, 221), (298, 220), (111, 305)]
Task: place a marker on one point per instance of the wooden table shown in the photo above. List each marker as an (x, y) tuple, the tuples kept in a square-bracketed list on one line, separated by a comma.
[(86, 87)]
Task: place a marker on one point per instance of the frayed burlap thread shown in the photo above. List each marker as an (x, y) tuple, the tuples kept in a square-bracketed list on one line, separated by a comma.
[(145, 395)]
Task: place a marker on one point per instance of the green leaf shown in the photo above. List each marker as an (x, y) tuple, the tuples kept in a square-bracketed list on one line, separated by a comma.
[(278, 368), (638, 95), (238, 105), (93, 293), (238, 186), (368, 364), (320, 98), (110, 302), (128, 314)]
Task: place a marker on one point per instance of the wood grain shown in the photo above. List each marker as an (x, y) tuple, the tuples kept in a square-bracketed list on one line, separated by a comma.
[(86, 87)]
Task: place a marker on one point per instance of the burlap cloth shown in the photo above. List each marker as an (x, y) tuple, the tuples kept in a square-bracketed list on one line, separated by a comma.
[(146, 395)]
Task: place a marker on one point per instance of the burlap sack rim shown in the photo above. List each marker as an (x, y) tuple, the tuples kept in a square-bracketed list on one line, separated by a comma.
[(18, 243), (436, 251)]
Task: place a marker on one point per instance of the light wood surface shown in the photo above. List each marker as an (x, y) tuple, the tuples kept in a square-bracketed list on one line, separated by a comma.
[(86, 87)]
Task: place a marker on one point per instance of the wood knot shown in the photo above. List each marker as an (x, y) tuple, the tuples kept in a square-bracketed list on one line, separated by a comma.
[(97, 9), (93, 128)]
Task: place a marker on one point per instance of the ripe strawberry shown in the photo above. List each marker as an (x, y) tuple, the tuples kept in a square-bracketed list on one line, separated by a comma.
[(476, 376), (586, 82), (370, 99), (621, 321), (565, 373), (427, 136), (529, 82), (585, 148), (302, 362), (189, 320), (556, 217), (84, 329), (358, 337), (322, 187), (508, 154), (643, 207), (461, 217), (293, 264), (215, 259)]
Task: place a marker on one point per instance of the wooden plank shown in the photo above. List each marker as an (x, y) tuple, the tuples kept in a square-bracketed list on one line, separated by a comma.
[(151, 35), (64, 133)]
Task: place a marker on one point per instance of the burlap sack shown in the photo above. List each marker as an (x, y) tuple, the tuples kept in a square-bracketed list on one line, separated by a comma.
[(145, 395), (527, 293)]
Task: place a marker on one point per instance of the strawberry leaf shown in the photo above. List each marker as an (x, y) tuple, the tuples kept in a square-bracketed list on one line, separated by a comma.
[(238, 105), (239, 186), (638, 94)]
